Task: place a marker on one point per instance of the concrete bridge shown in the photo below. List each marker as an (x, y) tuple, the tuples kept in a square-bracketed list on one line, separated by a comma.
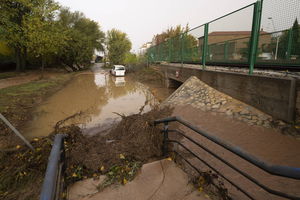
[(274, 95)]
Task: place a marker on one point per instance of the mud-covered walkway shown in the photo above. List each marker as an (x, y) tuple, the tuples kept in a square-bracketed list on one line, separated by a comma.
[(259, 139)]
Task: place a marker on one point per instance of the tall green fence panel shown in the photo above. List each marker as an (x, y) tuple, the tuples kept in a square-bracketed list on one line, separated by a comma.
[(232, 39), (193, 45), (279, 41), (229, 37)]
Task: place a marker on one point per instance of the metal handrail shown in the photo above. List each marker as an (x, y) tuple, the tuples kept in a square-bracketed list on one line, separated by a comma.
[(284, 171), (52, 182)]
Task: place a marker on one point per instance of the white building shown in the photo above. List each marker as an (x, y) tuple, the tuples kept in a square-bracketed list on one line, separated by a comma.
[(142, 50)]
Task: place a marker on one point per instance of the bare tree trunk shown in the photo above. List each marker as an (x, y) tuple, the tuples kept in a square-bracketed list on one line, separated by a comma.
[(43, 66), (18, 59), (23, 59)]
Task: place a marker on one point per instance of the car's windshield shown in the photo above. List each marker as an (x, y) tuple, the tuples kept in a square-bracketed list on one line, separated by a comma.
[(119, 68)]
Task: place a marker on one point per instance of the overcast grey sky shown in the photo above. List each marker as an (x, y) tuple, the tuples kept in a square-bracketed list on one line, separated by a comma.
[(141, 19)]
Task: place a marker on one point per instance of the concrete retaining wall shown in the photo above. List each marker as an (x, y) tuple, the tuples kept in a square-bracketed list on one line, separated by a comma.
[(272, 95)]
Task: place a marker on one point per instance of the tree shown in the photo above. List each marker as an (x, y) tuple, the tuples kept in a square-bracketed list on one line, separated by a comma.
[(284, 41), (130, 58), (84, 36), (179, 39), (118, 45), (12, 15), (44, 36), (296, 38)]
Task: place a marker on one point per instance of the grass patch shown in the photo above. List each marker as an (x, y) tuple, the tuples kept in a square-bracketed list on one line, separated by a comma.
[(22, 171), (12, 96), (4, 75), (26, 89)]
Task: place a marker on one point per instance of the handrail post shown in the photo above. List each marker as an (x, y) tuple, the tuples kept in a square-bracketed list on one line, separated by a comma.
[(205, 44), (255, 35), (166, 136)]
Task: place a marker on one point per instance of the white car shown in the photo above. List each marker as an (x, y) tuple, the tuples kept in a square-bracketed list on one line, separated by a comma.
[(118, 70)]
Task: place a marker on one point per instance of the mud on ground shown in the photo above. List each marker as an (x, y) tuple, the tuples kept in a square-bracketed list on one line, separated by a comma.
[(135, 140), (17, 102)]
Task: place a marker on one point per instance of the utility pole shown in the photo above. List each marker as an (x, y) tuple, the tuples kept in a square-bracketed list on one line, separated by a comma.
[(277, 38)]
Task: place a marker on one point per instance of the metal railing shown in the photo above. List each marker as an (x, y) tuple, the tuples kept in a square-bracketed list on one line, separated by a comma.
[(283, 171), (53, 185), (264, 33)]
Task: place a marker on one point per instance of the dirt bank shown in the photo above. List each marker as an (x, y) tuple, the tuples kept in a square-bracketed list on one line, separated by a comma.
[(17, 102), (154, 80), (134, 137), (119, 154)]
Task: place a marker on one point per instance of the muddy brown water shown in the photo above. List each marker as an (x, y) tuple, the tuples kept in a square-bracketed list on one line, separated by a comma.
[(99, 98)]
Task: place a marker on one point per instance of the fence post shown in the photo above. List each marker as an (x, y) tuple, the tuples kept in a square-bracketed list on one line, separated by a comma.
[(290, 43), (169, 47), (226, 51), (159, 49), (181, 49), (255, 35), (205, 42)]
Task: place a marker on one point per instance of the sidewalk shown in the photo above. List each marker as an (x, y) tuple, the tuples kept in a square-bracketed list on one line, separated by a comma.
[(241, 125), (159, 180)]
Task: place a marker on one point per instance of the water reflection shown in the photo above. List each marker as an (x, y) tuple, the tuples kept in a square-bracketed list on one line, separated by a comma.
[(98, 96), (119, 81)]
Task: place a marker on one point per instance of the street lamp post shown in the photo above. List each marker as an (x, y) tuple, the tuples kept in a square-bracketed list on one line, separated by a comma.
[(277, 38)]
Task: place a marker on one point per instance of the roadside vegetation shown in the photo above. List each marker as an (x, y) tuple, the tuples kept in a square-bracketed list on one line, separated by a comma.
[(118, 46), (41, 33), (4, 75)]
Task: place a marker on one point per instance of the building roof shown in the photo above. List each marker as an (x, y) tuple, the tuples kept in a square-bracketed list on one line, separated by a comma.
[(221, 33)]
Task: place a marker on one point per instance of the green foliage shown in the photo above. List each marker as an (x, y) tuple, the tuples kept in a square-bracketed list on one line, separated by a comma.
[(6, 54), (296, 38), (173, 32), (176, 40), (284, 40), (38, 28), (5, 50), (85, 36), (44, 37), (118, 45), (130, 58), (12, 15)]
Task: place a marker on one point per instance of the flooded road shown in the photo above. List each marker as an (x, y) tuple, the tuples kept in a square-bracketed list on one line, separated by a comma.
[(97, 99)]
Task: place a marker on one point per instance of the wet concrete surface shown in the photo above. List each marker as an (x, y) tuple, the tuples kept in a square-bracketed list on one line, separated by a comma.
[(265, 144), (97, 98), (240, 125), (159, 180)]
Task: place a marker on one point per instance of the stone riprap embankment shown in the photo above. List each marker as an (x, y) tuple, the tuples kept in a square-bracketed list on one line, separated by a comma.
[(198, 94)]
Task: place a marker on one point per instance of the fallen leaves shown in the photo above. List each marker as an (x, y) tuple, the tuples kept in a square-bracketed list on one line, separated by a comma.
[(122, 173), (122, 157)]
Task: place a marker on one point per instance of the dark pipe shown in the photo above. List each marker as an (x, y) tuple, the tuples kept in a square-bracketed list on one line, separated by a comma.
[(50, 181)]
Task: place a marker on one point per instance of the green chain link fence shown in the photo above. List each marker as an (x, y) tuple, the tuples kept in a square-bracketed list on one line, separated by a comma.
[(263, 33)]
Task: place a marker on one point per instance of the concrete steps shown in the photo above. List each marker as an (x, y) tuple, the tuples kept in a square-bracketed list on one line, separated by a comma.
[(159, 180)]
